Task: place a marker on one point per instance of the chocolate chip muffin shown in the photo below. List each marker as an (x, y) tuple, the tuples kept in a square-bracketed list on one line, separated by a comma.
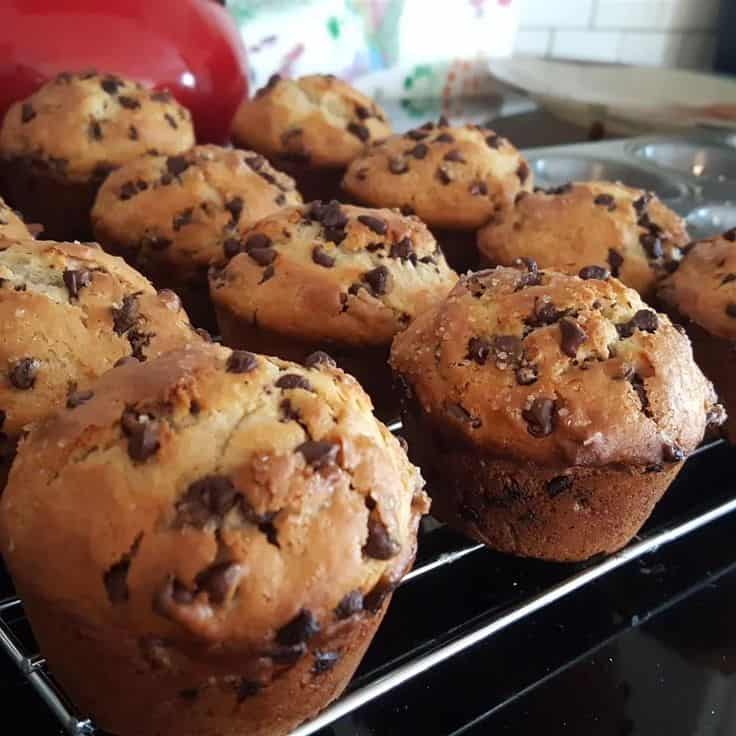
[(701, 294), (312, 127), (68, 313), (219, 531), (330, 277), (627, 232), (11, 224), (171, 216), (57, 145), (453, 178), (550, 412)]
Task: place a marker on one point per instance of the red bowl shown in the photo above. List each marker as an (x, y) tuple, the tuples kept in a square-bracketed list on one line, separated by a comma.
[(191, 47)]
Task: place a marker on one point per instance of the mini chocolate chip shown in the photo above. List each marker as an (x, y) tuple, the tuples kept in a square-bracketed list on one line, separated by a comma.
[(651, 244), (359, 130), (507, 349), (362, 112), (403, 250), (605, 200), (444, 138), (27, 113), (637, 383), (209, 497), (235, 207), (558, 484), (162, 95), (594, 272), (133, 133), (129, 102), (479, 349), (144, 442), (292, 381), (176, 165), (454, 155), (232, 246), (318, 454), (95, 131), (268, 273), (461, 414), (126, 315), (443, 175), (256, 162), (379, 545), (332, 215), (494, 141), (615, 261), (23, 373), (730, 235), (558, 190), (299, 630), (398, 165), (526, 375), (319, 358), (170, 120), (131, 188), (111, 85), (321, 257), (645, 320), (257, 241), (641, 203), (731, 309), (523, 171), (324, 661), (77, 398), (247, 689), (262, 256), (545, 313), (218, 580), (280, 199), (417, 134), (376, 224), (540, 417), (728, 278), (351, 604), (116, 581), (672, 454), (419, 151), (241, 361), (183, 218), (478, 188), (572, 336), (379, 279), (646, 222), (75, 280), (374, 600)]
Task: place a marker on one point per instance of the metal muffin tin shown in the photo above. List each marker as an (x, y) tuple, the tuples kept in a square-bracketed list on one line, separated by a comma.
[(462, 598), (696, 176)]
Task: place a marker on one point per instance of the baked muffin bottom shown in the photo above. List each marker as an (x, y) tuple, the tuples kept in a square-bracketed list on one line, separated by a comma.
[(60, 204), (369, 365), (144, 687), (561, 514)]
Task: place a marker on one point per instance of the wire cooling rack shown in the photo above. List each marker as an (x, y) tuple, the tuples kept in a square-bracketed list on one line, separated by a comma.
[(439, 551)]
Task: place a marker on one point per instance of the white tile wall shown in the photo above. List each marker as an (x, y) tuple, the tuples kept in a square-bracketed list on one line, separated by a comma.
[(649, 32)]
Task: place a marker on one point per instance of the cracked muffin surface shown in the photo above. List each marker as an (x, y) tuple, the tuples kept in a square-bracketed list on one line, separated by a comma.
[(316, 120), (332, 272), (627, 231), (556, 369), (235, 525), (451, 177), (68, 313)]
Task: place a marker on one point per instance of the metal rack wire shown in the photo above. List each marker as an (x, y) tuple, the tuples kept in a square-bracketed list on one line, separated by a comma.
[(32, 665)]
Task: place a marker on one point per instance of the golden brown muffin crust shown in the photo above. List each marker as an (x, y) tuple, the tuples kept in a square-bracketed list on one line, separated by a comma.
[(627, 231), (450, 177), (68, 312), (317, 120), (554, 369), (178, 211), (334, 272), (703, 288), (11, 226), (80, 124), (225, 503)]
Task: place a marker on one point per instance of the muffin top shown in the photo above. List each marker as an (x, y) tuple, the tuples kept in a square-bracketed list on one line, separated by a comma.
[(244, 504), (703, 288), (451, 177), (11, 226), (68, 312), (182, 209), (556, 369), (629, 232), (332, 272), (82, 125), (317, 120)]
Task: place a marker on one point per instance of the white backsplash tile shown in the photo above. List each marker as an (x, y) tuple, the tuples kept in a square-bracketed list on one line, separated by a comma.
[(593, 45)]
